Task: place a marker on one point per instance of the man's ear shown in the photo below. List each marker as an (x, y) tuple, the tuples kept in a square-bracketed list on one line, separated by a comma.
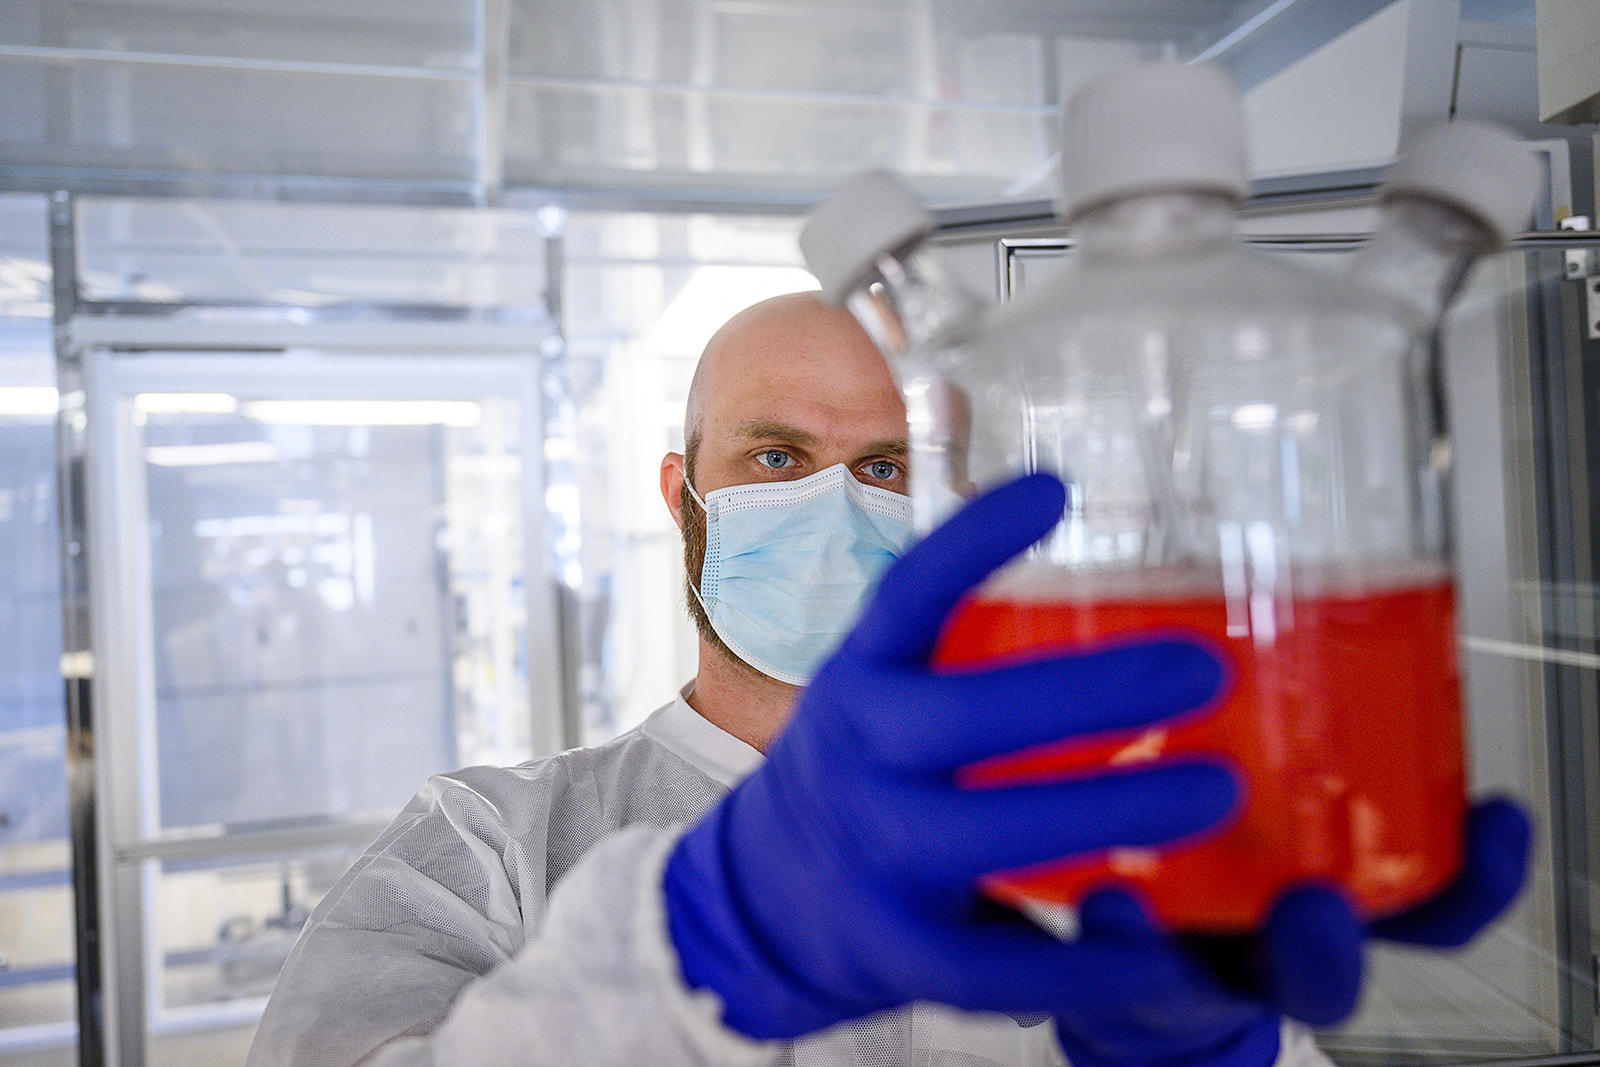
[(672, 485)]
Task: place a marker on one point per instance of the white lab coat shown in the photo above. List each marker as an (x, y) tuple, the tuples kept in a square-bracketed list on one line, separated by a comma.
[(514, 915)]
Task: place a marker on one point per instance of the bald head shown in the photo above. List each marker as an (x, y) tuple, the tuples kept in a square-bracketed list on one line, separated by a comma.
[(777, 336)]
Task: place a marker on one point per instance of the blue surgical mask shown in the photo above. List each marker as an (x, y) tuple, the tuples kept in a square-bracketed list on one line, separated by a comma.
[(789, 565)]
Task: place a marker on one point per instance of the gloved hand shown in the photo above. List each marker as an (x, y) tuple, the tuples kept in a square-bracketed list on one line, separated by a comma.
[(838, 879)]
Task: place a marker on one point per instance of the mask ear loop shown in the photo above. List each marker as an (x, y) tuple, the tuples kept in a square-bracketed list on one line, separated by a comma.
[(694, 586), (687, 484)]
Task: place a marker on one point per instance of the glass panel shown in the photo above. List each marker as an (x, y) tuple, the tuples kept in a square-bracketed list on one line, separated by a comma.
[(337, 596), (1501, 996), (224, 925), (676, 138), (423, 33), (866, 48), (860, 48), (1556, 405), (166, 253), (992, 52), (788, 99), (142, 118), (37, 945)]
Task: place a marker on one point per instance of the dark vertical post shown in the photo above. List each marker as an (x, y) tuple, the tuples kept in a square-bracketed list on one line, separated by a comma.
[(77, 653)]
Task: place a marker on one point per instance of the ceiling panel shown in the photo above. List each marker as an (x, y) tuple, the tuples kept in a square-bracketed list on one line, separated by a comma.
[(643, 101), (438, 34), (149, 122)]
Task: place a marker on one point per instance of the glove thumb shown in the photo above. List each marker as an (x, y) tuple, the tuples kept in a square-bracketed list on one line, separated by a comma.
[(1312, 955), (1499, 838)]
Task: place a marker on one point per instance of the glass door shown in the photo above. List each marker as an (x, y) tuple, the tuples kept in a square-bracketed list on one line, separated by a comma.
[(317, 596), (38, 1018), (37, 1013)]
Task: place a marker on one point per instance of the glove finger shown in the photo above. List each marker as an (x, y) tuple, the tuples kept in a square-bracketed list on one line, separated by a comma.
[(1015, 966), (1118, 984), (1251, 1041), (1139, 993), (982, 831), (1306, 963), (1116, 914), (890, 948), (1492, 872), (903, 619), (1311, 952), (935, 722)]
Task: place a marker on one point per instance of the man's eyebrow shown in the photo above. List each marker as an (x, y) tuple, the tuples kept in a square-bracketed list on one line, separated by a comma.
[(894, 447), (773, 430)]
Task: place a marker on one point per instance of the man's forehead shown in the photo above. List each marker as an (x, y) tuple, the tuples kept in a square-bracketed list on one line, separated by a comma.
[(793, 361)]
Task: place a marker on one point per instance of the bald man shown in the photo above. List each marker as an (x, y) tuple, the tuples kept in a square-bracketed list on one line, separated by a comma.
[(786, 390), (614, 905)]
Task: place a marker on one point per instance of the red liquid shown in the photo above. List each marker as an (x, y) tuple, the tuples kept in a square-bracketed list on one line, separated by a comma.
[(1343, 718)]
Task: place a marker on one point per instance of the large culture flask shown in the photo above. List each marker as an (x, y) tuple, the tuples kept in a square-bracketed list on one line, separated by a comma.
[(1255, 457)]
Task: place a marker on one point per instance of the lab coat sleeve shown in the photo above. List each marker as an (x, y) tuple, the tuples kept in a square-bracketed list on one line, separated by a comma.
[(597, 984)]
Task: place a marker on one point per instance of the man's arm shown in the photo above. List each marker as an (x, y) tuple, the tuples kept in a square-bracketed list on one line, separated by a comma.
[(598, 985), (444, 924)]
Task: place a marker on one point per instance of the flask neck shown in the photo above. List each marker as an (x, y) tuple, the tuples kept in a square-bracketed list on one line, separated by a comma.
[(1420, 255), (1165, 223), (912, 302)]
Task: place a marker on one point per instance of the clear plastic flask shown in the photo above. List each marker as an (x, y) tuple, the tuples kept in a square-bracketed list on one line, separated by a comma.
[(1254, 457)]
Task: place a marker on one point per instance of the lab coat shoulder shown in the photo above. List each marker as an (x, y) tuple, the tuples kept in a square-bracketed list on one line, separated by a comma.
[(457, 886), (520, 829)]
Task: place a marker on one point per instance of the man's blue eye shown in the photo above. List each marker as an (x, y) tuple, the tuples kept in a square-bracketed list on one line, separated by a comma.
[(775, 459), (883, 470)]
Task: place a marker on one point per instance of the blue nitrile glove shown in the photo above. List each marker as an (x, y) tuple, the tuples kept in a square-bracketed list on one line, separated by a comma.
[(1306, 963), (1495, 864), (1315, 923), (839, 878)]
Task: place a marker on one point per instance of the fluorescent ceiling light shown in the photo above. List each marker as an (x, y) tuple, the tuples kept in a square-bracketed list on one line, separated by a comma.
[(185, 403), (213, 455), (364, 412), (28, 400), (1255, 416)]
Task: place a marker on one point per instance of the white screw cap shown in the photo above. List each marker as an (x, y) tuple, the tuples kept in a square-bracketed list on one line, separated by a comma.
[(871, 215), (1150, 128), (1475, 167)]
